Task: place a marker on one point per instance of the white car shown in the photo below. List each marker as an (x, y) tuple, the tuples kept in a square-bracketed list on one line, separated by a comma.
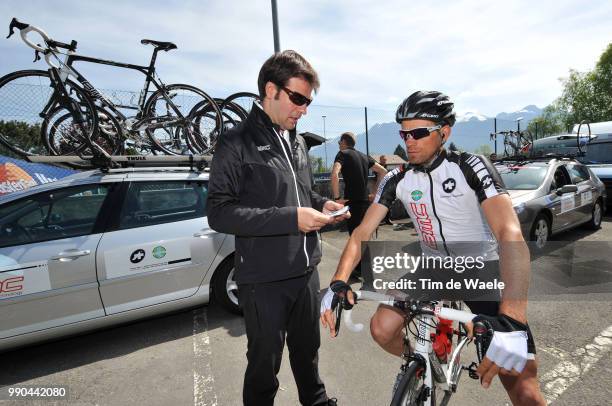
[(104, 247)]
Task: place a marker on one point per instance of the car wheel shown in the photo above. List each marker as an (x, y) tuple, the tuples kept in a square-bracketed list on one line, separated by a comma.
[(224, 287), (540, 231), (596, 214)]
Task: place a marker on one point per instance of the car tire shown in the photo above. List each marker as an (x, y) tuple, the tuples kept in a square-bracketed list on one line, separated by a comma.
[(224, 288), (596, 215), (540, 232)]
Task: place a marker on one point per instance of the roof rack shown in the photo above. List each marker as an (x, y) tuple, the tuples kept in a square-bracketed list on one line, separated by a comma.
[(545, 157), (194, 162)]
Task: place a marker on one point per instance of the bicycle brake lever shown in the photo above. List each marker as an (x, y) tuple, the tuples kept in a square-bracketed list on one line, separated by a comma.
[(36, 55), (338, 318), (15, 24)]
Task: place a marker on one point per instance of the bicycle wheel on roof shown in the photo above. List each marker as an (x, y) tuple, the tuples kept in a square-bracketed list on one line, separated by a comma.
[(169, 120)]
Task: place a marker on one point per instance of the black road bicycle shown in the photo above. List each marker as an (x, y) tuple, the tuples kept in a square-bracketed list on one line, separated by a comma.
[(74, 117)]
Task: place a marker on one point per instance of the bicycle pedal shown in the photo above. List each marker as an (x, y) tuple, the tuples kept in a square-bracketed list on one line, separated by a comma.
[(472, 370)]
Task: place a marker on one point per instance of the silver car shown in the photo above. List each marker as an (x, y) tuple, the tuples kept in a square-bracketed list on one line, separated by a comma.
[(551, 195), (100, 248)]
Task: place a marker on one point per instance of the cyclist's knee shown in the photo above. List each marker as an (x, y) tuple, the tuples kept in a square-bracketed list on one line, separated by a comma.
[(384, 327), (529, 396)]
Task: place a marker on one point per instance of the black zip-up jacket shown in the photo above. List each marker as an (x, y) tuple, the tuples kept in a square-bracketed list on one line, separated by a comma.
[(257, 181)]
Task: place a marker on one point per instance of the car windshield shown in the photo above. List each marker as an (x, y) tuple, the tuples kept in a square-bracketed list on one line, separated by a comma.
[(598, 154), (522, 177)]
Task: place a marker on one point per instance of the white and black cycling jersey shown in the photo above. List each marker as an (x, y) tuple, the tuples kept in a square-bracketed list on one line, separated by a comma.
[(443, 202)]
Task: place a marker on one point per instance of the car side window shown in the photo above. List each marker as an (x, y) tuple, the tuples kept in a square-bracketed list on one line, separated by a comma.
[(578, 173), (62, 213), (560, 178), (150, 203)]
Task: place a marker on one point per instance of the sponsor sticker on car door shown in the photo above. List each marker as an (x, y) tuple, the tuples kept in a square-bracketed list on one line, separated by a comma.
[(150, 257), (567, 202), (586, 197), (23, 279)]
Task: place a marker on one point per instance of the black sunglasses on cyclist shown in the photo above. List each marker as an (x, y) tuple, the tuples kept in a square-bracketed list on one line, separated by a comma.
[(418, 133), (297, 98)]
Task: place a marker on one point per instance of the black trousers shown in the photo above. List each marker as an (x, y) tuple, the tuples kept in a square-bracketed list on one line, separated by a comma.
[(274, 311)]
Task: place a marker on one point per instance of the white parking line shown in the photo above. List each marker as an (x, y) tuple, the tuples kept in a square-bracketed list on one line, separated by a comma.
[(567, 372), (203, 381)]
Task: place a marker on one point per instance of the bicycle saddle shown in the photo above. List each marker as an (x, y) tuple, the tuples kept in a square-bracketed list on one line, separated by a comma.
[(163, 46)]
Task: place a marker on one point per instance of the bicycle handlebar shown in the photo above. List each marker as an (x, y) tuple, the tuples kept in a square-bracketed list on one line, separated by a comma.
[(440, 311), (25, 29)]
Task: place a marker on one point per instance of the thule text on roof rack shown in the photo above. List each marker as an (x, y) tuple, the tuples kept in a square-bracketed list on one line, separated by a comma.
[(196, 162)]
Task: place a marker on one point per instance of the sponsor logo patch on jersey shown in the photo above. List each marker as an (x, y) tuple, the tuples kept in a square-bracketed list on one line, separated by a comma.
[(416, 195), (263, 148), (486, 181), (449, 185)]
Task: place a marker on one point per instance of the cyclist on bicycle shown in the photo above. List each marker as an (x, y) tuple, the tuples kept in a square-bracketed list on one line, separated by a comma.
[(452, 197)]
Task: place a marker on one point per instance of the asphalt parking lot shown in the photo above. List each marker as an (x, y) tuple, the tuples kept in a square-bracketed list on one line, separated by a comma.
[(197, 357)]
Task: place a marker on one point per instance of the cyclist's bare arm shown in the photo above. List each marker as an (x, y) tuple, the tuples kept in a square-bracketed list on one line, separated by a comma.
[(514, 262), (335, 179), (352, 254), (380, 173)]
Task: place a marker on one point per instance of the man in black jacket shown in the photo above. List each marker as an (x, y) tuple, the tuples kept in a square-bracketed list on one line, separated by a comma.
[(260, 190), (354, 167)]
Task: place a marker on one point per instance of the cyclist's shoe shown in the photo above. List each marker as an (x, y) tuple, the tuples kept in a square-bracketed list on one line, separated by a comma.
[(503, 340)]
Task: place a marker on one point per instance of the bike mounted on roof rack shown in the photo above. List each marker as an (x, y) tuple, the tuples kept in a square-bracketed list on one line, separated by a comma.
[(104, 163), (580, 151)]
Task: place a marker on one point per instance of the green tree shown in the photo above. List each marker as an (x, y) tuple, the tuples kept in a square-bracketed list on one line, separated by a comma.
[(22, 135), (588, 95), (317, 165), (401, 152), (484, 149), (550, 122)]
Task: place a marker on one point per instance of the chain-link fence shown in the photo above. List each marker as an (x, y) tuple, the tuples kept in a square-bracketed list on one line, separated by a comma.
[(375, 129)]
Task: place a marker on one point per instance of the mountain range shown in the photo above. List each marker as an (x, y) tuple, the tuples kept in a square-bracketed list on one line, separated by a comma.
[(471, 131)]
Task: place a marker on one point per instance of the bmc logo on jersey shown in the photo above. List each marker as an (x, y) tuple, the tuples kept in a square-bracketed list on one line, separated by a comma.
[(13, 284), (425, 227)]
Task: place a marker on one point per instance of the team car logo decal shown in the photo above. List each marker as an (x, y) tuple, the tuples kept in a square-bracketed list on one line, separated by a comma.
[(416, 195), (137, 256), (159, 252), (449, 185)]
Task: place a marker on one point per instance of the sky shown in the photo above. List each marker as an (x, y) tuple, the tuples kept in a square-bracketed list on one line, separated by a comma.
[(488, 56)]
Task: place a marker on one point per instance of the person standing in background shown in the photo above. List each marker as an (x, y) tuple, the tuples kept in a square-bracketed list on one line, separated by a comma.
[(354, 167)]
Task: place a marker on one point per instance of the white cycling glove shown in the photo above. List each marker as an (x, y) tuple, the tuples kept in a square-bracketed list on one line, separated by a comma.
[(337, 290), (509, 350), (503, 340)]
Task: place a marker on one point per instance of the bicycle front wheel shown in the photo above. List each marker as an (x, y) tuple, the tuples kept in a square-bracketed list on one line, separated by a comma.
[(24, 95), (411, 389), (169, 119), (64, 137)]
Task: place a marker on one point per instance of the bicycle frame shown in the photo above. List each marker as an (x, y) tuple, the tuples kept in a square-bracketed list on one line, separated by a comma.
[(446, 374), (66, 69)]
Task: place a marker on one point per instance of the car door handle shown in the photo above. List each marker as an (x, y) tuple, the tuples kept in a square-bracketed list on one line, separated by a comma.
[(70, 254), (205, 233)]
